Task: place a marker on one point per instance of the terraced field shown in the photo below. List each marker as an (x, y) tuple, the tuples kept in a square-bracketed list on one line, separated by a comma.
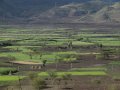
[(86, 54)]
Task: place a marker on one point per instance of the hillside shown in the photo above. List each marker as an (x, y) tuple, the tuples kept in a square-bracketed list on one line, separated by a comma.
[(5, 9), (106, 14), (29, 11), (93, 11), (74, 9), (110, 13), (27, 8)]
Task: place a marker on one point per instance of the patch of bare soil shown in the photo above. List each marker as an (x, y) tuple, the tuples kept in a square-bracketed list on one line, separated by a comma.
[(24, 62), (83, 61), (4, 59)]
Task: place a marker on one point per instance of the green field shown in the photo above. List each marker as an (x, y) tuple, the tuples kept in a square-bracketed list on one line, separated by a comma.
[(10, 78), (90, 69), (6, 71), (75, 73), (25, 42)]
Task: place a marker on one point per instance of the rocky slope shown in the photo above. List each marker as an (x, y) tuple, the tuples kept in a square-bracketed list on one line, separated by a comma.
[(36, 11)]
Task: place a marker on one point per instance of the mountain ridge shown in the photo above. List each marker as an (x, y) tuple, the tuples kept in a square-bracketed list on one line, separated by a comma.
[(47, 10)]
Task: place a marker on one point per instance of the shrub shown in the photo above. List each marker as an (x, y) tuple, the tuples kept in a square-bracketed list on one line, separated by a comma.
[(39, 83), (32, 75), (6, 71)]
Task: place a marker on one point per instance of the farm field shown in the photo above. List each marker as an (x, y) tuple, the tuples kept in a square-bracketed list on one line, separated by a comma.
[(59, 58)]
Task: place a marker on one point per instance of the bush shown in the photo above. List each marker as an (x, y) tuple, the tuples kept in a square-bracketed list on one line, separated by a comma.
[(39, 83), (99, 56), (32, 75), (6, 71)]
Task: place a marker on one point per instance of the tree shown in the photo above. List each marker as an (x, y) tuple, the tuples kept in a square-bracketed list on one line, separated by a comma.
[(71, 64), (32, 75), (57, 60), (70, 59), (30, 55), (44, 63), (70, 45), (98, 45), (118, 53), (58, 81), (52, 75), (39, 83), (41, 55), (101, 46), (106, 53), (66, 78), (20, 85)]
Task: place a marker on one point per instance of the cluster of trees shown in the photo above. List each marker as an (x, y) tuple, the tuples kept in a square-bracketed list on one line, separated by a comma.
[(5, 43), (108, 54), (58, 58), (51, 80), (69, 59)]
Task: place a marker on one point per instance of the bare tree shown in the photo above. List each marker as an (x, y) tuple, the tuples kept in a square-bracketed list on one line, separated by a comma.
[(70, 59), (30, 55), (66, 79), (32, 75), (39, 83), (52, 75), (57, 60)]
